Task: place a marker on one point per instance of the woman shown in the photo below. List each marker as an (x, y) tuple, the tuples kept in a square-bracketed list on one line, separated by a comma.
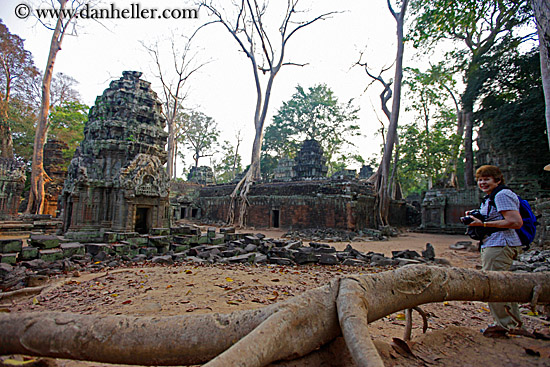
[(500, 248)]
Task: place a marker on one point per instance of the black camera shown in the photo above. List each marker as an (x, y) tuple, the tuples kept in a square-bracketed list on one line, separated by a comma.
[(474, 213)]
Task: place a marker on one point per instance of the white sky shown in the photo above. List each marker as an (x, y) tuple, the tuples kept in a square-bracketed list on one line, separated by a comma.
[(224, 89)]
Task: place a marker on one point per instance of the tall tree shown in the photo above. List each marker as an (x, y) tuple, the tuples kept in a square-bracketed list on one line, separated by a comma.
[(16, 72), (383, 175), (38, 175), (429, 94), (67, 124), (200, 136), (174, 88), (230, 164), (314, 113), (65, 104), (542, 16), (248, 29), (479, 25)]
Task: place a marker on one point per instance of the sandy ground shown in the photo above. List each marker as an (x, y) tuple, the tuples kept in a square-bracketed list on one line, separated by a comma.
[(453, 337)]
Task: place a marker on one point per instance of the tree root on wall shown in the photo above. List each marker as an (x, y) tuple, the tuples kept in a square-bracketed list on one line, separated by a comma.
[(294, 332)]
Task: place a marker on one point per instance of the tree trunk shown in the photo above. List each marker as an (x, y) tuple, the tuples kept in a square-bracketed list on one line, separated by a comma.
[(384, 169), (453, 164), (542, 15), (286, 330), (36, 194), (6, 140), (170, 167), (469, 179)]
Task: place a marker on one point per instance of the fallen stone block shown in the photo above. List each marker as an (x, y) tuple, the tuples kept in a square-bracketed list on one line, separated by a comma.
[(159, 241), (73, 248), (328, 259), (125, 236), (44, 241), (260, 258), (231, 237), (122, 248), (29, 253), (252, 239), (164, 260), (354, 262), (227, 230), (5, 268), (160, 231), (293, 245), (204, 239), (211, 232), (405, 254), (94, 248), (280, 261), (8, 258), (218, 239), (51, 254), (305, 258), (251, 248), (36, 280), (10, 245), (245, 258), (186, 240), (110, 237), (137, 241), (179, 248), (148, 251)]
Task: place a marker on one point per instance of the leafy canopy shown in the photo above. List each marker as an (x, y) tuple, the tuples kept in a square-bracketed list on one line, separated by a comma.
[(314, 113)]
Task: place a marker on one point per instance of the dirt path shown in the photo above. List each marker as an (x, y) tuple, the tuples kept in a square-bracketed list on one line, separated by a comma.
[(190, 288)]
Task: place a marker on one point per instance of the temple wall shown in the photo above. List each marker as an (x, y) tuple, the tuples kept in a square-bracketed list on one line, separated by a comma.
[(442, 209), (310, 204), (12, 182)]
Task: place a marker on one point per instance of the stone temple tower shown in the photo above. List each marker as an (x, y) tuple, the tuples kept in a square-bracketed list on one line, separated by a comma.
[(116, 181)]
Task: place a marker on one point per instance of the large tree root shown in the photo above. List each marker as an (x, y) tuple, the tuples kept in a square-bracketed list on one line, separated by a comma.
[(283, 331)]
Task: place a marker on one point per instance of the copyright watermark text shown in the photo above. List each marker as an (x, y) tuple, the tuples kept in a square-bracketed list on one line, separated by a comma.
[(134, 11)]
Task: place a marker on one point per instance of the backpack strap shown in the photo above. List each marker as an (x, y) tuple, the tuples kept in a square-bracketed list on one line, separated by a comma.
[(494, 193)]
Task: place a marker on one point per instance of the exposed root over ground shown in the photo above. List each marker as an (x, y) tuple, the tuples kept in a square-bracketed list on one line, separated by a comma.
[(290, 330)]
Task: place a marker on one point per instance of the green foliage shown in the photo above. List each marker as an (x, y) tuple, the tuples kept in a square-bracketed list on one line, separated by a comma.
[(230, 165), (470, 21), (22, 119), (199, 135), (314, 113), (67, 124), (479, 25), (512, 114), (424, 154), (426, 145)]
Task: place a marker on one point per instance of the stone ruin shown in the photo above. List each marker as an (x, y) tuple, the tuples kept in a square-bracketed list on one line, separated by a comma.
[(202, 175), (284, 170), (54, 165), (116, 181), (442, 209), (12, 182), (310, 162)]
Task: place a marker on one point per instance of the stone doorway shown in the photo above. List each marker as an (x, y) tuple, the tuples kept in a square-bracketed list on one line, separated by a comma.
[(142, 220), (275, 218)]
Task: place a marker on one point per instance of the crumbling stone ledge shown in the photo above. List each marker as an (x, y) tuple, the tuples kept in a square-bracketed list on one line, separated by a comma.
[(50, 254)]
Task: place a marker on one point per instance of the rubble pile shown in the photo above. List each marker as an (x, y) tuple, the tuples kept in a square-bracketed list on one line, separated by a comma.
[(336, 235), (50, 254)]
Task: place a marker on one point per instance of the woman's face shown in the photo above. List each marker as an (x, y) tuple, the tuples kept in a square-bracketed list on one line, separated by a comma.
[(487, 184)]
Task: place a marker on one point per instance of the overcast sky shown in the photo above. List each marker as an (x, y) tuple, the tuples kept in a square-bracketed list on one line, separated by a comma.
[(224, 89)]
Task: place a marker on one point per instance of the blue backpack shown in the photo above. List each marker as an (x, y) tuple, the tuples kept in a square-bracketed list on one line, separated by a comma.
[(527, 232)]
